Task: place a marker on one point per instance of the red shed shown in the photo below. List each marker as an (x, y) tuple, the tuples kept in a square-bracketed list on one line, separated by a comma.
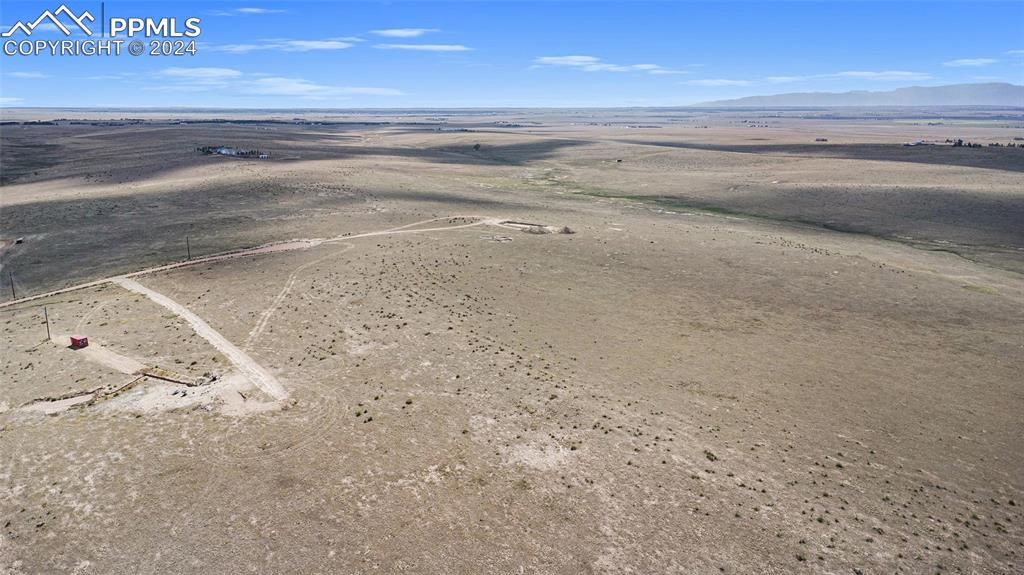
[(78, 342)]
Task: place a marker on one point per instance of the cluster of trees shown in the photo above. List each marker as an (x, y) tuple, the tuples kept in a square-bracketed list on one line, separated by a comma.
[(958, 143)]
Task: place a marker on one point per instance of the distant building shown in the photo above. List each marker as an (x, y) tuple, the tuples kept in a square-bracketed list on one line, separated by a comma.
[(232, 151)]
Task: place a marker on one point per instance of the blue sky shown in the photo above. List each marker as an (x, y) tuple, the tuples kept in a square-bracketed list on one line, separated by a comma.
[(461, 54)]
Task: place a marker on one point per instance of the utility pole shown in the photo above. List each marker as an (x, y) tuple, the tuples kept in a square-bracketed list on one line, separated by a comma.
[(188, 248), (11, 275), (46, 316)]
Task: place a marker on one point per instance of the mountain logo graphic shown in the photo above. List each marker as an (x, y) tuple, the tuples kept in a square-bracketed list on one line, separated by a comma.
[(52, 17)]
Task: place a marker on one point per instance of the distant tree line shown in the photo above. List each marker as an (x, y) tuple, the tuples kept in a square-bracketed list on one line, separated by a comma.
[(959, 143)]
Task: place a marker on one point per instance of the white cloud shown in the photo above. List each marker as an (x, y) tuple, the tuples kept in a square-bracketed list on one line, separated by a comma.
[(114, 76), (258, 11), (246, 11), (566, 60), (887, 75), (51, 28), (8, 100), (307, 45), (971, 62), (199, 73), (47, 27), (425, 47), (27, 75), (204, 87), (1015, 52), (196, 79), (594, 64), (285, 45), (298, 87), (403, 32), (237, 48), (234, 81), (715, 82)]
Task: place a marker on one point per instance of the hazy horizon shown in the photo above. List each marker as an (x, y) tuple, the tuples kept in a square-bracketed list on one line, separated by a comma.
[(742, 102)]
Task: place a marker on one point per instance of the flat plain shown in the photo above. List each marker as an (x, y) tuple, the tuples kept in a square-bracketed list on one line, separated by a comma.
[(514, 341)]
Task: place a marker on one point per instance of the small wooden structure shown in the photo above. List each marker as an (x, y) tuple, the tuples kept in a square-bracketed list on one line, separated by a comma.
[(78, 342), (168, 375)]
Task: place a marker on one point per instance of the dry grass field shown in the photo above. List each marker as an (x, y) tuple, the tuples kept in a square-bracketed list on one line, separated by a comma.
[(754, 352)]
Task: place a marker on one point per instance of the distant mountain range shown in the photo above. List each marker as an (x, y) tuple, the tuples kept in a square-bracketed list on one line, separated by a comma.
[(990, 94)]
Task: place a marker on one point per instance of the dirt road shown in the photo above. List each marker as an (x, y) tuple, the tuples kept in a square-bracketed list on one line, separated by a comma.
[(260, 250), (259, 376)]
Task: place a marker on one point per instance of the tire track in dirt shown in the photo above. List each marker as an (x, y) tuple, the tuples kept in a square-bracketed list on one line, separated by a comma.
[(318, 413), (261, 324)]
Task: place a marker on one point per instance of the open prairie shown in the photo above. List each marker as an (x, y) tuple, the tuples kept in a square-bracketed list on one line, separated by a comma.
[(561, 341)]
